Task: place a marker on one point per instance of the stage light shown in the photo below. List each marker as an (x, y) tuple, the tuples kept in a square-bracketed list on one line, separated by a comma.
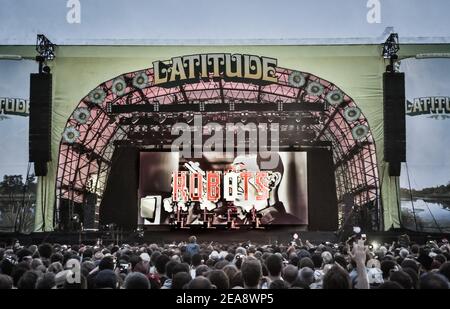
[(352, 114), (118, 86), (375, 245), (356, 229), (315, 89), (134, 119), (390, 49), (189, 117), (97, 96), (11, 57), (162, 118), (140, 80), (244, 117), (271, 117), (432, 55), (397, 66), (81, 115), (335, 97), (360, 132), (296, 79), (70, 135), (46, 69)]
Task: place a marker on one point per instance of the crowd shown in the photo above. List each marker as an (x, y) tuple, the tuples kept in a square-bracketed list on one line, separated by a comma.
[(191, 265)]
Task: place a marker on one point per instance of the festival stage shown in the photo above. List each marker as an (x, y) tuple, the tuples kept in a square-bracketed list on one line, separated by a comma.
[(180, 137)]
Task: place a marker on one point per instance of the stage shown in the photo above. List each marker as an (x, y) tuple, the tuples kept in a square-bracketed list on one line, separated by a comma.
[(118, 160), (164, 235)]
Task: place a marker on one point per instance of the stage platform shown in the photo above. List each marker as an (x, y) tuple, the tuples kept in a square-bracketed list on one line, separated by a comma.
[(164, 235)]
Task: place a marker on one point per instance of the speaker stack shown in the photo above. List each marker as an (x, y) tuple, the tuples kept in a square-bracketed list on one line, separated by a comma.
[(40, 121), (89, 220), (394, 121)]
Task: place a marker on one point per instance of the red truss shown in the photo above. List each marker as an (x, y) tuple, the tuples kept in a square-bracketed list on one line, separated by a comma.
[(83, 165)]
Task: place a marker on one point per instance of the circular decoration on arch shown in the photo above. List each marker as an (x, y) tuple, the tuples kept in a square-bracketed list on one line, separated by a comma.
[(360, 132), (314, 89), (81, 115), (118, 86), (97, 96), (335, 97), (140, 80), (352, 114), (70, 135), (296, 79)]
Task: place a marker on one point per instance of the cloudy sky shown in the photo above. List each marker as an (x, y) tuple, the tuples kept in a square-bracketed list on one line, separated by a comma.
[(116, 21)]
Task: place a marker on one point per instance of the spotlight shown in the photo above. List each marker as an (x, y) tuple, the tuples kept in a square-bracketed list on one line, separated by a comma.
[(46, 69), (390, 49), (189, 117), (134, 119), (244, 117), (162, 118), (397, 66), (375, 245)]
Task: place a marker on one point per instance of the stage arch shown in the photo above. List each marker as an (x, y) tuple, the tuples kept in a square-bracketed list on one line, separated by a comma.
[(92, 131)]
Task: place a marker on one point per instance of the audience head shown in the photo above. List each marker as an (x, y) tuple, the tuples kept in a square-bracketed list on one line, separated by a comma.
[(136, 281), (251, 272)]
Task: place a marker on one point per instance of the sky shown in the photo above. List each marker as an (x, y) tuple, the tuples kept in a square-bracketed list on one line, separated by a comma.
[(213, 21)]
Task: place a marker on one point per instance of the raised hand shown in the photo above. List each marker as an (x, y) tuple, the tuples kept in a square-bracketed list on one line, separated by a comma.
[(358, 254)]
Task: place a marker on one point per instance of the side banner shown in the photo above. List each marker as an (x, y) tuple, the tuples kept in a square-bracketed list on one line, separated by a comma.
[(17, 181), (425, 180)]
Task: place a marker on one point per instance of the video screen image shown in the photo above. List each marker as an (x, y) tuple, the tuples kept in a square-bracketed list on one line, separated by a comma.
[(215, 189)]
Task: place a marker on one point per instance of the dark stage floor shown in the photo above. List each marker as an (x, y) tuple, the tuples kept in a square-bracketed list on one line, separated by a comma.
[(163, 234)]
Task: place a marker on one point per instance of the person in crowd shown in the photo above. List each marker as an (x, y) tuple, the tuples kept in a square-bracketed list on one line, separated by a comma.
[(219, 279), (251, 273), (136, 281), (290, 274), (201, 283), (192, 247), (274, 264)]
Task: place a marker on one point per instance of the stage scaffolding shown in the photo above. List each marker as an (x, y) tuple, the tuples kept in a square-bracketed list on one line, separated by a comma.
[(142, 117)]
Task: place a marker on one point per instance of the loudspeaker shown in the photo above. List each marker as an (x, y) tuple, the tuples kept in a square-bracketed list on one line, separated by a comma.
[(70, 215), (322, 198), (395, 168), (394, 120), (64, 215), (40, 168), (89, 211), (40, 121), (119, 204)]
